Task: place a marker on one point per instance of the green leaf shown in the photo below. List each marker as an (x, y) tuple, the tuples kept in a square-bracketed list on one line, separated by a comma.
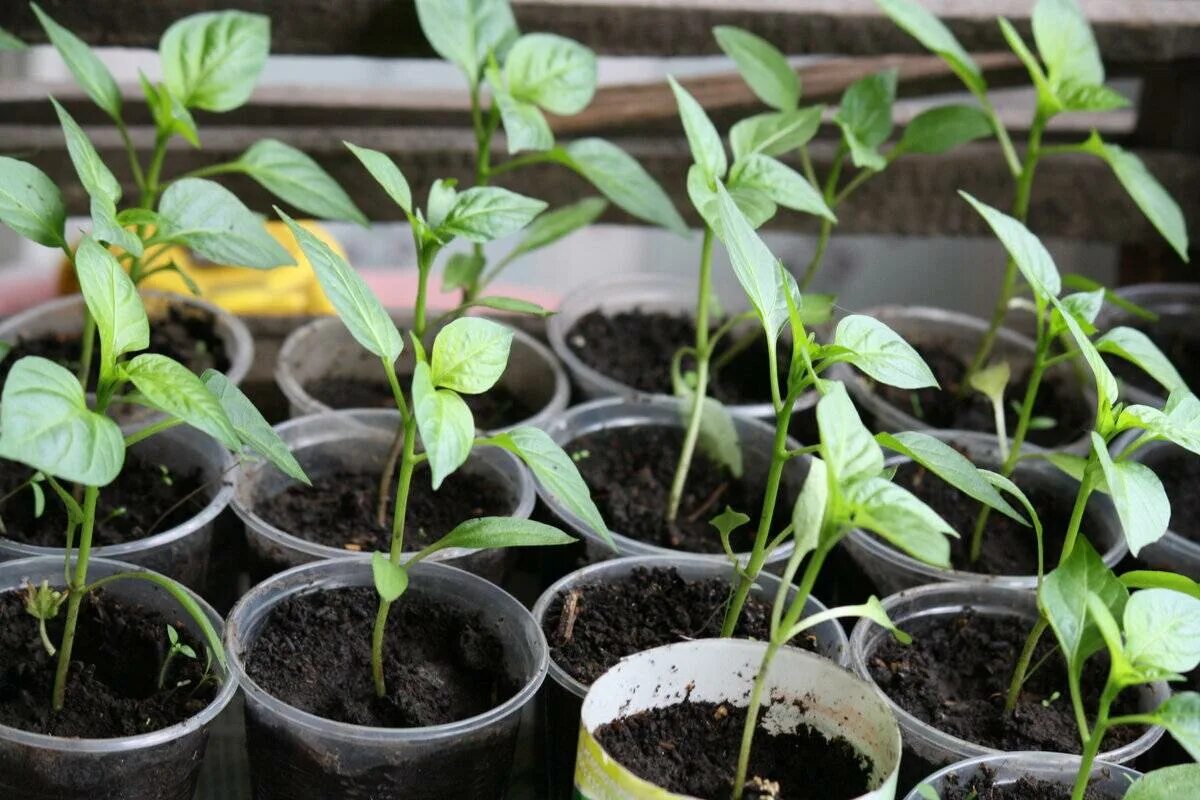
[(97, 179), (253, 431), (360, 310), (808, 513), (551, 71), (1162, 630), (847, 447), (1074, 96), (490, 533), (944, 128), (391, 580), (442, 196), (898, 516), (171, 387), (1180, 715), (707, 149), (1065, 42), (755, 204), (1138, 495), (170, 115), (89, 71), (525, 126), (10, 42), (1084, 307), (106, 228), (1178, 422), (865, 117), (45, 424), (483, 213), (879, 351), (934, 36), (446, 425), (1026, 250), (554, 225), (873, 610), (1047, 97), (992, 381), (209, 219), (113, 302), (462, 271), (464, 32), (470, 354), (775, 133), (765, 69), (718, 436), (1149, 195), (295, 178), (212, 60), (1153, 579), (753, 264), (556, 473), (782, 184), (620, 178), (137, 216), (1063, 600), (30, 203), (1168, 783), (726, 523), (386, 173), (1137, 348), (514, 305)]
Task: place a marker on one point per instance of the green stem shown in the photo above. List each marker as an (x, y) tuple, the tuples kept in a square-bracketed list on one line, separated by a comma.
[(134, 167), (1091, 747), (87, 347), (151, 188), (151, 430), (544, 157), (818, 255), (162, 673), (1023, 662), (752, 711), (75, 597), (1086, 487)]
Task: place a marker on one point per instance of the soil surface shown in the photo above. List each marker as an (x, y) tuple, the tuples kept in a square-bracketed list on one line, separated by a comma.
[(944, 408), (440, 662), (629, 471), (983, 787), (1175, 335), (339, 511), (498, 407), (692, 749), (144, 500), (636, 347), (956, 672), (651, 607), (1180, 474), (185, 334), (112, 688)]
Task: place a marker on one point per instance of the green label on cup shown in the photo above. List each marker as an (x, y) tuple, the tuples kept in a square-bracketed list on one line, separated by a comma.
[(599, 777)]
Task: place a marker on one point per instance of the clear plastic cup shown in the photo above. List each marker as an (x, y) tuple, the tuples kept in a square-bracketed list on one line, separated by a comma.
[(324, 348), (181, 552), (1174, 552), (757, 439), (1110, 780), (1177, 306), (564, 694), (805, 689), (359, 440), (159, 765), (927, 749), (295, 755)]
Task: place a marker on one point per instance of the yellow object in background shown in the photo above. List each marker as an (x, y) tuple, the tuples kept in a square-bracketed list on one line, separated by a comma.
[(240, 290)]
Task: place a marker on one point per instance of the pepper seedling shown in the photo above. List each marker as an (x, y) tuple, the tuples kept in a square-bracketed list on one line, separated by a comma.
[(175, 648), (467, 356)]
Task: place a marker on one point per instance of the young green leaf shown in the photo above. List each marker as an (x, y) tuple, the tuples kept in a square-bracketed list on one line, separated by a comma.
[(1047, 99), (10, 42), (89, 71), (442, 196), (209, 218), (446, 425), (879, 351), (1063, 600), (1167, 783), (30, 203), (295, 178), (753, 264), (514, 305), (774, 133), (170, 115), (113, 302), (846, 446), (552, 72), (97, 179), (898, 516), (992, 382), (553, 225), (1065, 42), (391, 580), (1137, 348), (726, 523), (944, 128), (525, 126), (865, 117), (462, 270), (484, 213), (781, 183), (707, 149), (489, 533), (1153, 579), (106, 228), (212, 60), (470, 354), (1180, 714), (253, 431), (1026, 250), (754, 203), (359, 309), (464, 32), (171, 387), (808, 513), (927, 29), (45, 423), (1162, 630), (1074, 96), (765, 69), (1178, 421), (1138, 494), (1084, 307), (624, 181), (386, 173)]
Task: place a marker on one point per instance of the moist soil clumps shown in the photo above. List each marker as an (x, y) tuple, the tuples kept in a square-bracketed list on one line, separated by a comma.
[(692, 748)]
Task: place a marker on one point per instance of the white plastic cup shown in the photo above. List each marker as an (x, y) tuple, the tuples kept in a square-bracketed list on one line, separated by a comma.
[(1110, 780)]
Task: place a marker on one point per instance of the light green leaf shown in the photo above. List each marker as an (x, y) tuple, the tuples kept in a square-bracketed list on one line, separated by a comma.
[(944, 128), (514, 305), (391, 580), (718, 436), (1137, 348), (30, 203), (1180, 715), (525, 126), (212, 60), (1138, 495), (113, 302), (1026, 250), (360, 310), (753, 264), (992, 381), (765, 69), (170, 115), (927, 29), (171, 387), (846, 445), (879, 351), (208, 218), (620, 178), (1153, 579), (442, 196), (470, 354), (1085, 307), (97, 179), (1106, 382), (1074, 96), (464, 32), (489, 533), (386, 173), (782, 184), (10, 42), (755, 204), (707, 149), (1065, 42), (253, 431), (106, 228), (551, 71), (1162, 630), (898, 516), (45, 424), (865, 117), (726, 523), (484, 213), (446, 425), (808, 514), (295, 178), (89, 71), (1167, 783), (1047, 97), (462, 270), (553, 225), (775, 132), (1063, 600)]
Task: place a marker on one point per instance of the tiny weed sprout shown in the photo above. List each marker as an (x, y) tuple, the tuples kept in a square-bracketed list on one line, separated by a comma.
[(175, 648), (42, 603), (467, 356)]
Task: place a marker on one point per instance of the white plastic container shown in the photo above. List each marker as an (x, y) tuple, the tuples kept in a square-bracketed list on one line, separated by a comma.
[(1111, 780)]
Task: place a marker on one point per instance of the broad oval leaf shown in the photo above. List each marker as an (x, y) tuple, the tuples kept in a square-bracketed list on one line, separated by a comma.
[(386, 174), (171, 387), (765, 69), (30, 203), (879, 351), (1180, 714), (775, 133), (898, 516), (97, 179), (917, 22), (391, 580), (445, 423), (753, 264), (464, 32), (1138, 495), (847, 447), (551, 71), (707, 149), (489, 533), (483, 213), (808, 514), (89, 71), (1162, 630), (1137, 348), (620, 178), (1167, 783), (944, 128), (865, 116), (470, 354), (1027, 250), (1063, 600), (1065, 42), (209, 218), (295, 178), (553, 225), (253, 431), (782, 184), (45, 424), (113, 301), (212, 60)]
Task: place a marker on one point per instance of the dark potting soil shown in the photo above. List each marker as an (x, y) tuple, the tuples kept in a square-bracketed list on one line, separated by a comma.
[(112, 687), (983, 787), (629, 471), (956, 673), (185, 334), (692, 749), (440, 663), (950, 408), (635, 348), (608, 620), (1180, 474), (499, 407), (144, 500), (339, 510)]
